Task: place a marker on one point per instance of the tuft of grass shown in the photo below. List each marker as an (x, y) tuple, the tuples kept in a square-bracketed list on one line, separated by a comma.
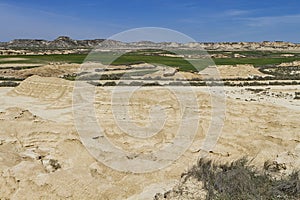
[(238, 180)]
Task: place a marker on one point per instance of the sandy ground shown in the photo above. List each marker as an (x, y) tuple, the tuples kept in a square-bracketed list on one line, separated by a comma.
[(42, 155), (13, 59), (233, 71), (283, 96), (58, 70), (12, 65), (41, 70)]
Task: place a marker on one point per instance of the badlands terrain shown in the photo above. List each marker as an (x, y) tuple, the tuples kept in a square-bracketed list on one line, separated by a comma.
[(251, 109)]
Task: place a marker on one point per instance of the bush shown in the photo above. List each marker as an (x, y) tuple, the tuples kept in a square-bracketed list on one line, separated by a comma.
[(240, 181), (110, 84), (152, 84), (95, 83), (9, 84)]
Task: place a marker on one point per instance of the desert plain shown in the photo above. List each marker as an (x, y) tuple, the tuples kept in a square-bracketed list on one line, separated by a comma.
[(252, 111)]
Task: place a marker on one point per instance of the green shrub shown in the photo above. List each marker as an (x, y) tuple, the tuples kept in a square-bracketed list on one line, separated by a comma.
[(8, 84), (112, 83)]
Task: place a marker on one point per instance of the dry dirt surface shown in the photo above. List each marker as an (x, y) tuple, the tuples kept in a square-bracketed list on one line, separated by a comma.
[(51, 70), (43, 157), (13, 59), (234, 71), (17, 65)]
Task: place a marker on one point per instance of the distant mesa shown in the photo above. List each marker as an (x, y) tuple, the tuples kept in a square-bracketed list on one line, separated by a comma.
[(65, 42)]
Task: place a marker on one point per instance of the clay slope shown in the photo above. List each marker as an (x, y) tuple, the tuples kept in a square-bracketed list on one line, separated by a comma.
[(57, 92)]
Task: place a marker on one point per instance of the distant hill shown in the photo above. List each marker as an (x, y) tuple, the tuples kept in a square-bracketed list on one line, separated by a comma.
[(64, 42)]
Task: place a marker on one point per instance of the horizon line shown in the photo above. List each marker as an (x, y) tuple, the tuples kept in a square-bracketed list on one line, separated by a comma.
[(81, 39)]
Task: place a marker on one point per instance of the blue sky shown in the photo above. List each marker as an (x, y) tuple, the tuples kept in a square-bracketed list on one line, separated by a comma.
[(203, 20)]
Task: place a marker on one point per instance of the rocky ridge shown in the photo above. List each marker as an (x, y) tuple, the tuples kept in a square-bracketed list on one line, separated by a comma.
[(64, 42)]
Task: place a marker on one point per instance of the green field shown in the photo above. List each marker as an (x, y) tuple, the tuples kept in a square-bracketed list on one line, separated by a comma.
[(150, 56), (253, 61)]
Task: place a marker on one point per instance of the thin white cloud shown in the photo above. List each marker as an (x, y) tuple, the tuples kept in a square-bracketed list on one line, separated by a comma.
[(190, 5), (273, 20), (236, 12)]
